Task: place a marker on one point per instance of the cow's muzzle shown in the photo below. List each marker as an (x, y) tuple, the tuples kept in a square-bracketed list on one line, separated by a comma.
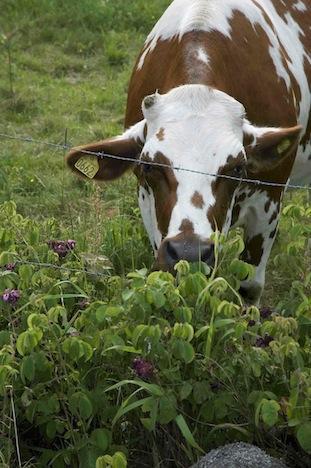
[(190, 248)]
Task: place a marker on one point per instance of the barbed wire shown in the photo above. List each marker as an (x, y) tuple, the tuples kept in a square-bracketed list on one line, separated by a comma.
[(63, 268), (102, 155)]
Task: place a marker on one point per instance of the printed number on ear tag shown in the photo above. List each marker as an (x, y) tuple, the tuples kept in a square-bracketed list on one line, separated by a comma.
[(89, 166), (284, 145)]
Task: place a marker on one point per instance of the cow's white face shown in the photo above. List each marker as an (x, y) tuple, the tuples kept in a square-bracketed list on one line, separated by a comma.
[(200, 129), (196, 128)]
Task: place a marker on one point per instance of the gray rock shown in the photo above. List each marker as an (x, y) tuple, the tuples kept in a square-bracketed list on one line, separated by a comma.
[(239, 455)]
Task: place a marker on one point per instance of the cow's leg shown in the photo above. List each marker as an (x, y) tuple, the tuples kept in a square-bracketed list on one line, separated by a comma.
[(260, 228)]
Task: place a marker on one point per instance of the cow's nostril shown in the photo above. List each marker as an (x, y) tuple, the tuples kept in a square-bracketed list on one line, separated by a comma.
[(172, 252), (207, 254)]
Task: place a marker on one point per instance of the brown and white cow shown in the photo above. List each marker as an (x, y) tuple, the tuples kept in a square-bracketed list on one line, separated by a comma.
[(221, 87)]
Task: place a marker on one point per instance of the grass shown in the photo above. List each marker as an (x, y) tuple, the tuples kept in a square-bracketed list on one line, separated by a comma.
[(66, 67)]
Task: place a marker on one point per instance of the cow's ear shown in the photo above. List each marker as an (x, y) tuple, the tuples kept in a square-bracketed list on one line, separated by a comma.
[(271, 148), (120, 155)]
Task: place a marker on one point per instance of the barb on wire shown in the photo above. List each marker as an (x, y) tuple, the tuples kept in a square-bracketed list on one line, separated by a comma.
[(153, 163)]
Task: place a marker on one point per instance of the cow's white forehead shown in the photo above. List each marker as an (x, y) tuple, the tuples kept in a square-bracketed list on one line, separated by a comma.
[(195, 100), (196, 128), (196, 122)]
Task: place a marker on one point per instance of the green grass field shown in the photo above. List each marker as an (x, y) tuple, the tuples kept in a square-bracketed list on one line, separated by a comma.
[(66, 69), (64, 77)]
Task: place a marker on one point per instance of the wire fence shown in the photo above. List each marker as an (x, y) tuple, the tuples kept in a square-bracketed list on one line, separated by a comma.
[(66, 147), (64, 268), (63, 147)]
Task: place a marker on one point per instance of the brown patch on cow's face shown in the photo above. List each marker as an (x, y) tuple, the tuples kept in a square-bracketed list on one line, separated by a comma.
[(197, 200), (186, 227), (160, 134), (163, 184), (248, 139), (223, 191), (254, 250)]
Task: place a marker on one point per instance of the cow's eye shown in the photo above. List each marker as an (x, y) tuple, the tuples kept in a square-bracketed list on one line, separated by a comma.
[(238, 171), (147, 168)]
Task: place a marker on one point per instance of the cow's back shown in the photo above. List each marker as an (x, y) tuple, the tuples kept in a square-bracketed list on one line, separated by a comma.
[(254, 50)]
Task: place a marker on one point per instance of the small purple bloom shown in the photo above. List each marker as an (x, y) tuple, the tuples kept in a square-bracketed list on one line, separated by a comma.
[(265, 312), (11, 296), (263, 342), (251, 323), (10, 266), (215, 386), (62, 248), (143, 368), (71, 244)]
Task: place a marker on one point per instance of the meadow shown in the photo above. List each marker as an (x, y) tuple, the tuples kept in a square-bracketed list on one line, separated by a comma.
[(118, 366)]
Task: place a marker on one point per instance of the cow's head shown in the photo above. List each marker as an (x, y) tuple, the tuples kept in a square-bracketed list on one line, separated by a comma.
[(204, 131)]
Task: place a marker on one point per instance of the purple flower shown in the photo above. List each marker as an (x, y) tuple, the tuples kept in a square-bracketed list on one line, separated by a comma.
[(10, 266), (265, 312), (143, 368), (71, 244), (251, 323), (215, 386), (62, 247), (263, 342), (11, 296)]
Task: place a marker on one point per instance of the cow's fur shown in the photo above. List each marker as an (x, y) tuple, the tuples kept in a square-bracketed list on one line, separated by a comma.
[(228, 92)]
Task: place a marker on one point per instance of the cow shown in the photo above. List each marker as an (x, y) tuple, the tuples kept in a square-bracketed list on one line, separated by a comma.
[(221, 87)]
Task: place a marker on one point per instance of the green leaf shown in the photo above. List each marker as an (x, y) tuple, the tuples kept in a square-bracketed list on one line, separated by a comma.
[(106, 312), (184, 429), (185, 391), (167, 409), (304, 436), (183, 314), (7, 257), (88, 456), (119, 460), (183, 350), (125, 409), (27, 368), (241, 269), (220, 408), (270, 412), (81, 403), (152, 406), (25, 273), (158, 299), (28, 340), (201, 391), (101, 438), (4, 338), (33, 235), (51, 428), (101, 462), (77, 349), (151, 388)]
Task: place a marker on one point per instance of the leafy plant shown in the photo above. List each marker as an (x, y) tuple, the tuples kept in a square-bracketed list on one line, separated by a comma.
[(94, 360)]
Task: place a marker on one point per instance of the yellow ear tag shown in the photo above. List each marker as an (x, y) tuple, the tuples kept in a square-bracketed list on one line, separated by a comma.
[(89, 166), (283, 146)]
